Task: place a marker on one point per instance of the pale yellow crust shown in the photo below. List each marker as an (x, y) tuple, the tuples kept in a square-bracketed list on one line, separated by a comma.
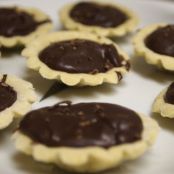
[(122, 29), (141, 50), (161, 107), (89, 159), (23, 40), (34, 48), (25, 97)]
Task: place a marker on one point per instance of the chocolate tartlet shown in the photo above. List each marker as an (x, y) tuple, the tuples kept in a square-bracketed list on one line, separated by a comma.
[(98, 17), (103, 131), (21, 25), (81, 56), (89, 124), (161, 40), (156, 44), (164, 103), (77, 58), (93, 14), (16, 97), (7, 94)]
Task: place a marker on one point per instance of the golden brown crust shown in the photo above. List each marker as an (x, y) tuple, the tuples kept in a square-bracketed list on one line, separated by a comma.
[(23, 40), (25, 97), (141, 50), (128, 26), (89, 159), (32, 52)]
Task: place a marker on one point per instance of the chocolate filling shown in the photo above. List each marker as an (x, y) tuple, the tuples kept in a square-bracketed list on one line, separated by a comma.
[(162, 40), (81, 56), (94, 14), (17, 23), (83, 124), (7, 95), (169, 96)]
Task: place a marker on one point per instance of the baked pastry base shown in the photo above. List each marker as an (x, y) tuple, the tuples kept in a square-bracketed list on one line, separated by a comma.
[(120, 30), (24, 40), (88, 159), (141, 50), (71, 79), (161, 107), (25, 97)]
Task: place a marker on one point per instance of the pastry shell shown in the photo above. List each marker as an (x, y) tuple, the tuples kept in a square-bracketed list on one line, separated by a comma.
[(23, 40), (151, 57), (71, 79), (120, 30), (25, 97), (88, 159), (161, 107)]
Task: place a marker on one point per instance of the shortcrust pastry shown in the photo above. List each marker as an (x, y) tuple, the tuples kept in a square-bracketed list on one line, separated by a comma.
[(156, 44), (164, 103), (16, 97), (19, 25), (85, 137), (102, 18), (77, 58)]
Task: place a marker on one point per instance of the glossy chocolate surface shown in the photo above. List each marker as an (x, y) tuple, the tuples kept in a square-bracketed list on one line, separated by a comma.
[(162, 40), (17, 23), (169, 96), (83, 124), (7, 95), (81, 56), (94, 14)]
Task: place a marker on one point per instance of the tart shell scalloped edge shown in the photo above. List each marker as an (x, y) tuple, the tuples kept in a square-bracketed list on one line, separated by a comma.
[(141, 50), (25, 97), (161, 107), (89, 159), (120, 30), (23, 40), (71, 79)]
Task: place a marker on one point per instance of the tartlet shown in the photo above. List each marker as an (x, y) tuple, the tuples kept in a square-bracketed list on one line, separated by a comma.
[(16, 97), (102, 18), (19, 25), (155, 43), (85, 137), (77, 58), (164, 102)]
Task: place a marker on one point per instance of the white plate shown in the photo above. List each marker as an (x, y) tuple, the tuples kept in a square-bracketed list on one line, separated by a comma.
[(136, 91)]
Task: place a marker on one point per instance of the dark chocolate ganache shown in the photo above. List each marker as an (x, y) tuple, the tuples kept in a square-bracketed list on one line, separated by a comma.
[(17, 23), (94, 14), (82, 124), (81, 56), (7, 94), (162, 40), (169, 95)]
